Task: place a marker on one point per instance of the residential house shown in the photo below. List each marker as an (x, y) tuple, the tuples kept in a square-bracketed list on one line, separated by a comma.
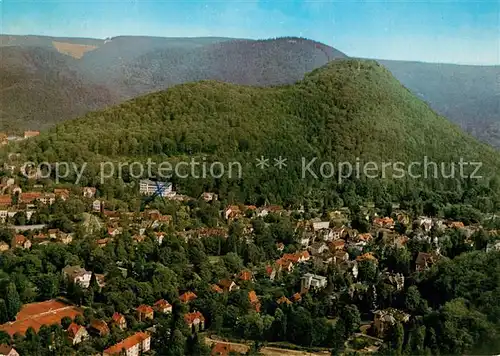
[(395, 279), (209, 196), (187, 297), (7, 350), (318, 248), (162, 306), (29, 197), (227, 285), (21, 242), (336, 245), (65, 238), (47, 198), (195, 321), (53, 233), (30, 133), (119, 320), (144, 312), (99, 327), (254, 301), (149, 187), (114, 231), (97, 205), (298, 257), (78, 275), (367, 257), (317, 226), (3, 246), (425, 260), (493, 246), (385, 319), (5, 200), (340, 257), (89, 192), (280, 246), (134, 345), (215, 288), (103, 242), (306, 238), (284, 264), (386, 223), (424, 223), (284, 300), (76, 334), (62, 194), (232, 212), (245, 276), (296, 297), (312, 281), (159, 236)]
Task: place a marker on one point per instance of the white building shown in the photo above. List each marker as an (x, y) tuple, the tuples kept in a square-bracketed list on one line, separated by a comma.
[(312, 281), (149, 187), (78, 275)]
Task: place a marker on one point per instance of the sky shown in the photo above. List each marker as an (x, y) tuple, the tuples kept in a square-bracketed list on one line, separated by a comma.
[(463, 32)]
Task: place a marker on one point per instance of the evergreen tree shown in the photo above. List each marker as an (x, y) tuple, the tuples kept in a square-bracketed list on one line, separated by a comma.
[(12, 300)]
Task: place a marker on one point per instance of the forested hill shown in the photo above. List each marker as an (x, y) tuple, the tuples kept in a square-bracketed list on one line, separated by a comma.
[(345, 110)]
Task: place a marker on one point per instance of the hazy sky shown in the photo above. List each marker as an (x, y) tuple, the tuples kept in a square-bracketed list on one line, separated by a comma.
[(433, 30)]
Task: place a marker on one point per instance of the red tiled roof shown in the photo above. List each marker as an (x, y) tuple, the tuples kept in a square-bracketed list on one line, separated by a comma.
[(5, 200), (144, 309), (189, 318), (117, 317), (187, 297), (162, 303), (100, 326), (245, 276), (73, 329), (285, 300), (126, 344), (252, 296), (216, 288)]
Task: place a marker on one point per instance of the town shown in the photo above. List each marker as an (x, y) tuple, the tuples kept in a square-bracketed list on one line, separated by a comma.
[(86, 275)]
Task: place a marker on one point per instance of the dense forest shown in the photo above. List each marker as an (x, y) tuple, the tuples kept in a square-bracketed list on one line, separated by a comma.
[(347, 110)]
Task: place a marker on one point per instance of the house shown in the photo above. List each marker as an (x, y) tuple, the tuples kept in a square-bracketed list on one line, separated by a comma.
[(456, 225), (3, 246), (162, 306), (65, 238), (149, 187), (188, 297), (284, 300), (195, 321), (298, 257), (425, 260), (61, 193), (296, 297), (6, 350), (21, 242), (144, 312), (29, 133), (337, 245), (215, 288), (245, 276), (493, 246), (159, 236), (254, 301), (227, 285), (312, 281), (99, 327), (47, 198), (78, 275), (97, 205), (76, 334), (386, 223), (5, 200), (385, 319), (395, 279), (367, 257), (209, 196), (119, 320), (340, 257), (284, 264), (89, 192), (134, 345), (424, 223), (29, 197), (280, 246), (317, 226), (103, 242), (318, 248), (232, 212), (114, 231)]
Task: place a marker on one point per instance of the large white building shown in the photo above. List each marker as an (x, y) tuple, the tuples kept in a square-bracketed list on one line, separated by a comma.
[(312, 281), (149, 187)]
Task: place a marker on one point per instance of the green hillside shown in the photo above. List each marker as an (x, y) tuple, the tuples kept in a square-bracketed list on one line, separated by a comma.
[(345, 110)]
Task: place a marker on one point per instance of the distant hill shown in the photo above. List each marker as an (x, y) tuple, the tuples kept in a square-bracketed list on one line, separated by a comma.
[(39, 87), (128, 66), (468, 95), (344, 110)]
